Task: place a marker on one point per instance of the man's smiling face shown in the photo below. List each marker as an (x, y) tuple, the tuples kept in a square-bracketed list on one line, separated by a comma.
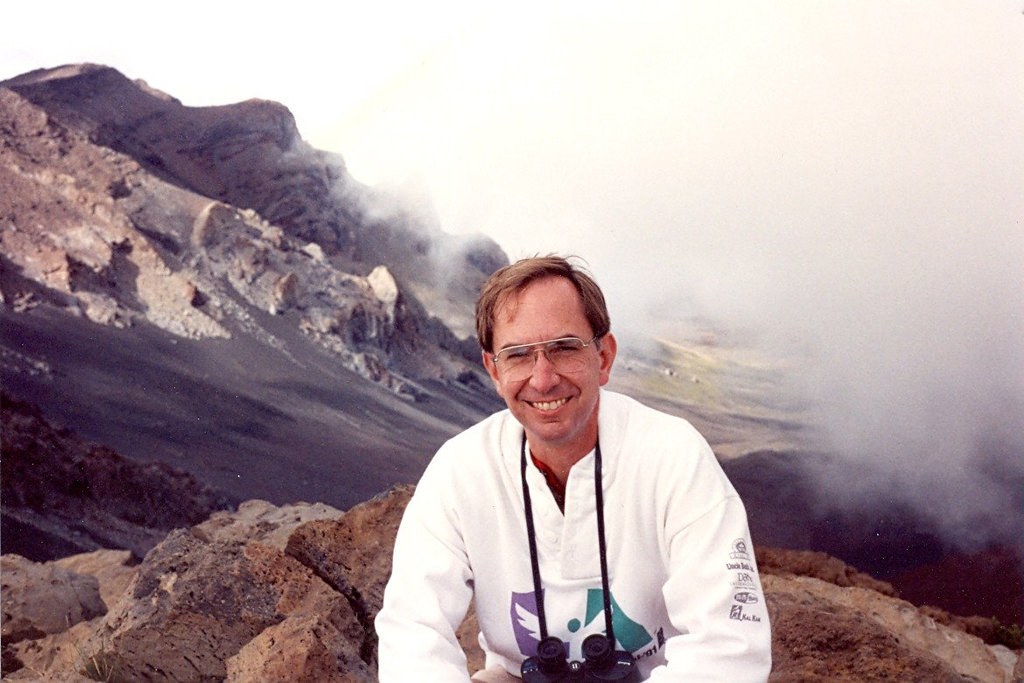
[(558, 410)]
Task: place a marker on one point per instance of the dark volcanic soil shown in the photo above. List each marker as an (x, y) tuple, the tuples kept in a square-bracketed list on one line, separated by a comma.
[(237, 414), (987, 582)]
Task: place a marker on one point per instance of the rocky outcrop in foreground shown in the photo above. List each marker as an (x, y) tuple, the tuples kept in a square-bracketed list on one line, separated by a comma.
[(289, 593)]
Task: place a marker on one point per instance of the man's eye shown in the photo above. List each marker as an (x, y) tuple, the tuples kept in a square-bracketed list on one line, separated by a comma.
[(513, 355), (564, 347)]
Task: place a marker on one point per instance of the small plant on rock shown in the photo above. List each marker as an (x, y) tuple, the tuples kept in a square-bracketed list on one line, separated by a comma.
[(1010, 636), (101, 665)]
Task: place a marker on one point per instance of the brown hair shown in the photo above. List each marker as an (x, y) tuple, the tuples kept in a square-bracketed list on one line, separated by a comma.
[(512, 279)]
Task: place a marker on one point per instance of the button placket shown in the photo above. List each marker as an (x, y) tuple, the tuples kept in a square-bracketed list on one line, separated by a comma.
[(547, 516), (579, 532)]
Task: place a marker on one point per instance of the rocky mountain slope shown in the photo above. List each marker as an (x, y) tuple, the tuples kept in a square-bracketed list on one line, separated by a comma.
[(197, 286)]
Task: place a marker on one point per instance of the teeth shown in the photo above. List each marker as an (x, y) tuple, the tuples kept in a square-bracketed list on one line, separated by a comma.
[(550, 405)]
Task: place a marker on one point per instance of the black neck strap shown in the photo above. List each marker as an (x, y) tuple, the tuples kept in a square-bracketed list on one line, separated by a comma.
[(532, 539)]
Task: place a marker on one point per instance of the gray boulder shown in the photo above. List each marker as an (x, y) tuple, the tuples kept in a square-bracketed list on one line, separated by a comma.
[(40, 599)]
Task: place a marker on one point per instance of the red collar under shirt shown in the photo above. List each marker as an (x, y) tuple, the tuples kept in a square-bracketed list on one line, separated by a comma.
[(557, 487)]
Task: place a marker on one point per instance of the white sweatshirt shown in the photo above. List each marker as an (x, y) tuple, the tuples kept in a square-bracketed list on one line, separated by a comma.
[(686, 598)]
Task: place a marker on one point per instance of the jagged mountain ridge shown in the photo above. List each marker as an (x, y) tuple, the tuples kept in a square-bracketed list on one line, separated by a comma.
[(198, 286), (248, 156)]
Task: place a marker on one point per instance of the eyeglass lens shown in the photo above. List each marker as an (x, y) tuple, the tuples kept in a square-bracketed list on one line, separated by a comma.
[(566, 355)]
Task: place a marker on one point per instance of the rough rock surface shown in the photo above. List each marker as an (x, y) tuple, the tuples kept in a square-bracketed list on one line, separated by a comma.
[(258, 520), (354, 570), (306, 647), (817, 565), (114, 569), (41, 599), (196, 604), (825, 632), (57, 657), (210, 603)]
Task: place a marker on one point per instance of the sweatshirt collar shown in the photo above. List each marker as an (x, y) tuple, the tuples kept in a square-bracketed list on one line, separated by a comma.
[(611, 425)]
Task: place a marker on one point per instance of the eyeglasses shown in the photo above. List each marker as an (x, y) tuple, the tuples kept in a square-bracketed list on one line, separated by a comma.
[(567, 354)]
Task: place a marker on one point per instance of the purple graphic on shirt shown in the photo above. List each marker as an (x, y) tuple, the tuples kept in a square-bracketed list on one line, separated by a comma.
[(525, 624)]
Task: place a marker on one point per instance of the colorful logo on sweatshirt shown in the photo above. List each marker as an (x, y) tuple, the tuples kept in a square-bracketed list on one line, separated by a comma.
[(526, 625)]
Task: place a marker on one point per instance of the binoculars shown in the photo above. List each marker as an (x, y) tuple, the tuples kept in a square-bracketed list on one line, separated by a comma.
[(600, 663)]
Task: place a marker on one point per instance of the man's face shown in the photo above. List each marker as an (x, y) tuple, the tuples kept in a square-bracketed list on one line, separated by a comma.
[(558, 411)]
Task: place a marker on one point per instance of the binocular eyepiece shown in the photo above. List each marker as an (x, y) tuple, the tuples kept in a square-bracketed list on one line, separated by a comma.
[(601, 662)]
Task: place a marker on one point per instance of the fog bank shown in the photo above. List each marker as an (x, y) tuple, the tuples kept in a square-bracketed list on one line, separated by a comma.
[(842, 181)]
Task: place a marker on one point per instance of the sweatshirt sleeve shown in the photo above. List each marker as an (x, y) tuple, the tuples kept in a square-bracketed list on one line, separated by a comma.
[(713, 595), (428, 593)]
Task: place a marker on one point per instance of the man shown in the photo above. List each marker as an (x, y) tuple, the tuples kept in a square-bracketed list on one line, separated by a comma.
[(508, 513)]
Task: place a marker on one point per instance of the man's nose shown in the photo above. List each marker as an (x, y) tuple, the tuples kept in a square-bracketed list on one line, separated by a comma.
[(544, 374)]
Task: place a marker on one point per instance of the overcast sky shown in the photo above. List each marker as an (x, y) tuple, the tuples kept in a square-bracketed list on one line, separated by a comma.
[(846, 177)]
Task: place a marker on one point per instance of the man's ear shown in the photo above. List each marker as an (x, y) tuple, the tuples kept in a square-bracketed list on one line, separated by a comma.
[(609, 347), (491, 368)]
